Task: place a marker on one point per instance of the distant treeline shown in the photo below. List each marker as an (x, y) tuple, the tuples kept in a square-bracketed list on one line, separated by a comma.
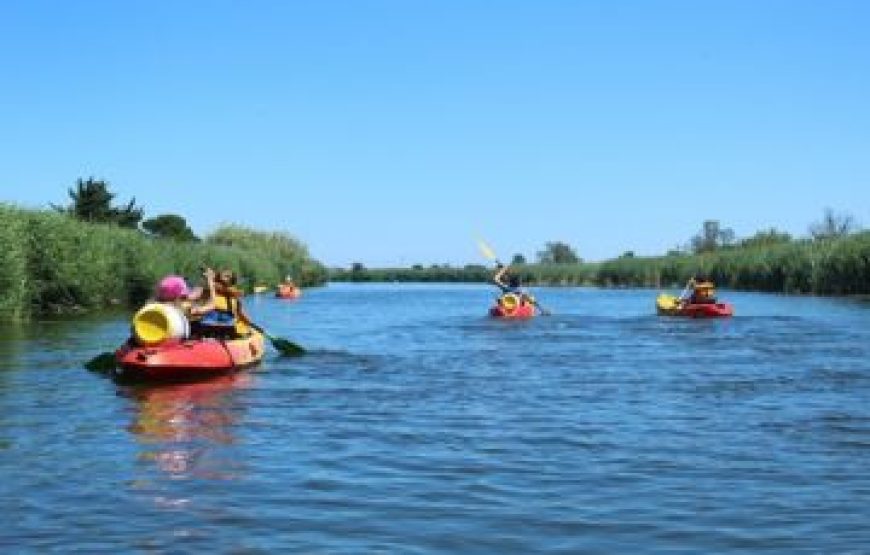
[(837, 265), (52, 261)]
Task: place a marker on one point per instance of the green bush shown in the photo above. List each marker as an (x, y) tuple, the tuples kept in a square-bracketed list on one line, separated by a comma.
[(52, 262)]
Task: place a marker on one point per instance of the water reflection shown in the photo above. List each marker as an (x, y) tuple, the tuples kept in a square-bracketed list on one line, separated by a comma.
[(188, 430)]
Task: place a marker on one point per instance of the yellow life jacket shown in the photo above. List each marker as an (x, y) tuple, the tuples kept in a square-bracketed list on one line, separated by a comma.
[(230, 304)]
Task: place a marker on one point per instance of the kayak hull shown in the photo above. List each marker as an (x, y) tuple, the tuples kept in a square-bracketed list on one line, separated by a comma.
[(522, 312), (188, 360), (668, 305), (285, 292)]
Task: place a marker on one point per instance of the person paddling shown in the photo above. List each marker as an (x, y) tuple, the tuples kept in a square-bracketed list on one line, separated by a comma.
[(226, 317), (510, 283), (506, 280), (699, 290)]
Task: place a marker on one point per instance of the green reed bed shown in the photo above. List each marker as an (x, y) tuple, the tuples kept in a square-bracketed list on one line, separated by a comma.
[(52, 262), (838, 266), (830, 267)]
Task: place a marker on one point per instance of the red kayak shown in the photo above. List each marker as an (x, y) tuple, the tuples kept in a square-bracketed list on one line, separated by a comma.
[(288, 292), (188, 359), (669, 305), (511, 307)]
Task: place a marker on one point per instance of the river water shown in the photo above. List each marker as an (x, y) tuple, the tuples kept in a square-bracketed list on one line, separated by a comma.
[(418, 425)]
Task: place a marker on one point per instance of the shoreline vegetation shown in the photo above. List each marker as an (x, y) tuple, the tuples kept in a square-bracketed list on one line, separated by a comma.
[(826, 265), (53, 262)]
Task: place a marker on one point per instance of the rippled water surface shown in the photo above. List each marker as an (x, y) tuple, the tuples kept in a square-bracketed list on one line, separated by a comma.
[(418, 425)]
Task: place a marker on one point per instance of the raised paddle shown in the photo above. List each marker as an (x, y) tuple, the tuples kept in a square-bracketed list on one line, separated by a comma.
[(489, 254), (284, 346)]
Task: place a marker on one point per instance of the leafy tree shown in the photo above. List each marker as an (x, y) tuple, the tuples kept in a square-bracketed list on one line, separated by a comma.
[(833, 225), (518, 259), (557, 252), (766, 238), (357, 267), (92, 202), (169, 226), (627, 254), (712, 237)]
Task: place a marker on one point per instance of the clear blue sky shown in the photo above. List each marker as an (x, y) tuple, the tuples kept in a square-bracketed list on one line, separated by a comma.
[(392, 132)]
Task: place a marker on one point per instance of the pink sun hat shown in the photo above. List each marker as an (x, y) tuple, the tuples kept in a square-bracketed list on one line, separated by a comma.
[(172, 288)]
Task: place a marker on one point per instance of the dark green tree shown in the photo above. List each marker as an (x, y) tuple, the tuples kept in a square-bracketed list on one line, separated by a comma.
[(833, 225), (557, 252), (518, 259), (712, 237), (169, 226), (92, 202)]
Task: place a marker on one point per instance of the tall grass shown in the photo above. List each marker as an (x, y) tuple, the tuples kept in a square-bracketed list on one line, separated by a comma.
[(828, 267), (285, 251), (52, 262)]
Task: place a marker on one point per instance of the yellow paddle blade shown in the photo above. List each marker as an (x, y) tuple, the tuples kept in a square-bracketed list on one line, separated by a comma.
[(485, 250)]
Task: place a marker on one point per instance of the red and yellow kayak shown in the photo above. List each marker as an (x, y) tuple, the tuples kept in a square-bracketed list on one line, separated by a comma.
[(288, 292), (511, 306), (669, 305), (188, 359)]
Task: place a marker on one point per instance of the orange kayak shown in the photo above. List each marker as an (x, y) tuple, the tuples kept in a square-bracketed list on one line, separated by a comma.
[(288, 292), (510, 306), (188, 359)]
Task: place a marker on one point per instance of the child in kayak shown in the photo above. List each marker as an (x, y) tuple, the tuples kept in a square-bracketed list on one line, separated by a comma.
[(703, 291), (174, 290), (223, 316)]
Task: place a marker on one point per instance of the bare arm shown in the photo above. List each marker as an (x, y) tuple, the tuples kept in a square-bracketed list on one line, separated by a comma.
[(687, 291), (498, 278), (209, 305)]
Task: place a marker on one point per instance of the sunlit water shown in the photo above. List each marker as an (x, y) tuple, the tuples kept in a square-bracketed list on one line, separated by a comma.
[(418, 425)]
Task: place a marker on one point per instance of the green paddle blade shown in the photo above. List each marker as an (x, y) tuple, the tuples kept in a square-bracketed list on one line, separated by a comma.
[(286, 347), (103, 362)]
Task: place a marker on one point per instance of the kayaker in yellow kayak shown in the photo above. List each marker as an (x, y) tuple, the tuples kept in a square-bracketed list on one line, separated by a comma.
[(699, 290)]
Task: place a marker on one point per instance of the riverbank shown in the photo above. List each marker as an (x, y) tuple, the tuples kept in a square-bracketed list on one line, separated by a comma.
[(829, 267), (50, 262)]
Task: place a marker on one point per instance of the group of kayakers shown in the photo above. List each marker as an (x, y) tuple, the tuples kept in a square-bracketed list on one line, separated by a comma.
[(697, 299), (215, 308), (194, 332)]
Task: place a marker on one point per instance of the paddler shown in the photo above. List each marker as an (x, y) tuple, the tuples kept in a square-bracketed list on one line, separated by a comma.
[(223, 316), (699, 290), (510, 283)]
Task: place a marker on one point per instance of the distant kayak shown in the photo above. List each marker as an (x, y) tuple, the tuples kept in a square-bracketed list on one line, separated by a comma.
[(260, 289), (288, 292), (669, 305), (510, 306), (188, 359)]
